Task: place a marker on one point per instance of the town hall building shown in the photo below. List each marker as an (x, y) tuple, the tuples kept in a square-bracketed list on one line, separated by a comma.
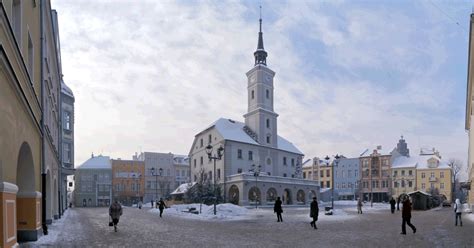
[(257, 164)]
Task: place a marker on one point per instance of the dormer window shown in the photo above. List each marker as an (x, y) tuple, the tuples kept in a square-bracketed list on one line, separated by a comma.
[(268, 94), (268, 139), (253, 94), (268, 123)]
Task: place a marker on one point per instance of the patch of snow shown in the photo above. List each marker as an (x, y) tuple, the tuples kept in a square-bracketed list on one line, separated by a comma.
[(225, 211)]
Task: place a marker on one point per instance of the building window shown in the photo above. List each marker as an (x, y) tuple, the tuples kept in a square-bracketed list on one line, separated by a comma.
[(31, 57), (423, 186), (195, 162), (67, 120), (239, 153), (403, 173), (327, 173), (322, 184), (284, 160), (269, 161), (67, 152), (218, 174), (268, 139), (441, 174), (268, 94), (441, 185), (253, 94), (432, 175), (16, 20), (284, 174), (250, 155), (239, 170), (209, 138), (202, 160), (395, 184), (202, 142), (292, 162), (328, 184), (410, 173), (356, 173), (321, 173), (304, 175), (403, 183), (432, 185), (423, 175)]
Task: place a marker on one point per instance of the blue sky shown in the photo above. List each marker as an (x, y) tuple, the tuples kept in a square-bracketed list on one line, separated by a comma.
[(350, 75)]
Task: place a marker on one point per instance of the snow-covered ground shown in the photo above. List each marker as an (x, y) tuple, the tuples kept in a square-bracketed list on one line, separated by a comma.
[(225, 211), (55, 229)]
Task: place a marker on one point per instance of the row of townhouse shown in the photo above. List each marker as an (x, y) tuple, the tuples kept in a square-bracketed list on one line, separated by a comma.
[(36, 124), (148, 176), (378, 174)]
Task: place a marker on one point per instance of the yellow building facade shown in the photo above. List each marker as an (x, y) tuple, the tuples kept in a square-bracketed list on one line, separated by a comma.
[(434, 174), (20, 126)]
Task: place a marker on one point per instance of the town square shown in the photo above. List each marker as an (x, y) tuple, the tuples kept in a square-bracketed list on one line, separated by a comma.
[(187, 123)]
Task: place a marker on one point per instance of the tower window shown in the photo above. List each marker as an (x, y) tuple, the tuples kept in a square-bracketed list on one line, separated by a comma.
[(253, 94), (268, 123), (268, 139), (268, 94)]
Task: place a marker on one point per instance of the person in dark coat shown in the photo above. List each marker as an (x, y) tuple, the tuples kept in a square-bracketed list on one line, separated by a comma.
[(161, 205), (392, 205), (398, 203), (314, 212), (278, 209), (406, 216), (115, 211), (152, 203)]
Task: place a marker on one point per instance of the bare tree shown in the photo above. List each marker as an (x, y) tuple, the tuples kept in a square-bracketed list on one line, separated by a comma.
[(456, 166)]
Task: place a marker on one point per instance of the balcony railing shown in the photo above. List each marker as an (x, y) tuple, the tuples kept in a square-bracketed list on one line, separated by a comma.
[(433, 179)]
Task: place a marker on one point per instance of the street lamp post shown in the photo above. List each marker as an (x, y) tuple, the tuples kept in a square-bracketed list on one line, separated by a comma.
[(220, 153), (155, 173), (256, 172), (334, 164)]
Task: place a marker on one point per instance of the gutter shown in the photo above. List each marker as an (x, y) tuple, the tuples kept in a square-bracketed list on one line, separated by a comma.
[(43, 160)]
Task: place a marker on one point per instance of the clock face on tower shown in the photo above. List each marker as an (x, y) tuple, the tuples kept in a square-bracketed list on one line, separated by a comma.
[(268, 79), (253, 78)]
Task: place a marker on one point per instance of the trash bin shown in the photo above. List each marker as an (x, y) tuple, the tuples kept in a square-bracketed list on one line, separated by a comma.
[(328, 210)]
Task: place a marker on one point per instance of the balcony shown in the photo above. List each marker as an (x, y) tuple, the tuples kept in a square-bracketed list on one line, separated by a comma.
[(433, 179)]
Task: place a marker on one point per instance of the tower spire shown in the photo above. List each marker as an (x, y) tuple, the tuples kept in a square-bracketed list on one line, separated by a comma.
[(260, 54)]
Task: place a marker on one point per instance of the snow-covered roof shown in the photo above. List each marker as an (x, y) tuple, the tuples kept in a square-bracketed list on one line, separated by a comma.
[(419, 161), (97, 162), (234, 130), (404, 162), (66, 90), (181, 159), (183, 188), (419, 191)]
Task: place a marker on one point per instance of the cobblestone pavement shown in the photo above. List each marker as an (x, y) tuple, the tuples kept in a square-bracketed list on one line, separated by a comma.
[(139, 228)]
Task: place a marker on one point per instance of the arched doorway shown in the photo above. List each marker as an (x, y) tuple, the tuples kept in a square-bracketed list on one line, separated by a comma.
[(287, 197), (300, 197), (271, 195), (28, 200), (234, 194), (254, 195)]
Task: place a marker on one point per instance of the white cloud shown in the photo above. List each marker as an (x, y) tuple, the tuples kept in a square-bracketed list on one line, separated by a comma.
[(150, 76)]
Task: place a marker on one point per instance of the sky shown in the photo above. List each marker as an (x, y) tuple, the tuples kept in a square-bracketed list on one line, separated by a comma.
[(350, 75)]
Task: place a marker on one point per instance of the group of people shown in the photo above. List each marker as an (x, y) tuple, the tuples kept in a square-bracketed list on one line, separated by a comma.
[(115, 211)]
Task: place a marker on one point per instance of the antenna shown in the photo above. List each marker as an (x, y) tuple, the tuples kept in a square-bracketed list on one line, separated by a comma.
[(260, 18)]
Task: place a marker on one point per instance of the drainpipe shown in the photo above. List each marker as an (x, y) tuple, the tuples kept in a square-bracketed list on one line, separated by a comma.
[(43, 160)]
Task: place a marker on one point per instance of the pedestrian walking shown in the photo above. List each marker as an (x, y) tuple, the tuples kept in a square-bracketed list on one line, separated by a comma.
[(359, 206), (314, 212), (406, 216), (152, 203), (140, 205), (161, 205), (278, 209), (115, 211), (398, 203), (392, 205), (458, 211)]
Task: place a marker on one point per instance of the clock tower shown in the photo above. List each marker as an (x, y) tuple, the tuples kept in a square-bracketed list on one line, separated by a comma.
[(260, 117)]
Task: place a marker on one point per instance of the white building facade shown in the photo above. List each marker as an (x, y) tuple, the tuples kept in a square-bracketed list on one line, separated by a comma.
[(253, 146)]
